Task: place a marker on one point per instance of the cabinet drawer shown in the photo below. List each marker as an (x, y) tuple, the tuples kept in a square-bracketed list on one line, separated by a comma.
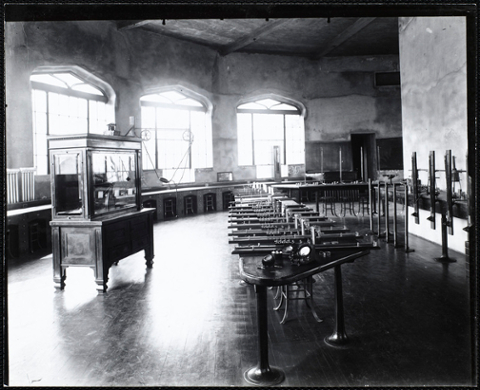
[(139, 228), (117, 233), (118, 252), (139, 243)]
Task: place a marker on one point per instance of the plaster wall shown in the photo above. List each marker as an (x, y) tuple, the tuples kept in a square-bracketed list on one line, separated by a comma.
[(434, 100), (338, 92)]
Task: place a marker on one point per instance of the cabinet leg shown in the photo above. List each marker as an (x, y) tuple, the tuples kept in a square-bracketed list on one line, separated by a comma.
[(149, 258), (101, 286), (59, 279), (101, 282)]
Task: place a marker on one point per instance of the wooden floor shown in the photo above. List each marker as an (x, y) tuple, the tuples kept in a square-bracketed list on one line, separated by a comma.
[(189, 322)]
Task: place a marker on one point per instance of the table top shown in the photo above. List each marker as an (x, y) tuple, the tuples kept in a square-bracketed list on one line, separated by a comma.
[(253, 272)]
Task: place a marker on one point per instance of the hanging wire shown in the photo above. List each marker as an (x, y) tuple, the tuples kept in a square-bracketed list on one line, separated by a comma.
[(190, 142)]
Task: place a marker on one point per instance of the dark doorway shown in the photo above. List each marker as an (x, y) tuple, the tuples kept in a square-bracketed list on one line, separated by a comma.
[(364, 156)]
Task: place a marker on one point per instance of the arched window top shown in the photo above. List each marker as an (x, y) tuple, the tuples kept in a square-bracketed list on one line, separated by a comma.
[(171, 97), (267, 104), (74, 81), (271, 103), (66, 80)]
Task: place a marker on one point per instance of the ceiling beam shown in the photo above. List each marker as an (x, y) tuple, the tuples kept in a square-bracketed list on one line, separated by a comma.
[(252, 36), (345, 35), (131, 25)]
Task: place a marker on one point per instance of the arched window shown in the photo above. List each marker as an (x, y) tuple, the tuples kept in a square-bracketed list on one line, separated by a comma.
[(64, 102), (265, 123), (180, 135)]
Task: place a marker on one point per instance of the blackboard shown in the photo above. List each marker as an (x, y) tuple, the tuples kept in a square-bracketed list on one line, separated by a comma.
[(331, 156), (391, 153)]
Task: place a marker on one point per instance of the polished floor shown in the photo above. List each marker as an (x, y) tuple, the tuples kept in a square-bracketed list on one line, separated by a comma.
[(189, 321)]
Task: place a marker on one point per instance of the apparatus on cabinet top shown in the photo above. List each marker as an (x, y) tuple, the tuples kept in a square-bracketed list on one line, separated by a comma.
[(94, 176)]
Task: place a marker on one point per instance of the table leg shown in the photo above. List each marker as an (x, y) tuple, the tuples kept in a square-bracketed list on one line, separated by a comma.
[(263, 374), (339, 336)]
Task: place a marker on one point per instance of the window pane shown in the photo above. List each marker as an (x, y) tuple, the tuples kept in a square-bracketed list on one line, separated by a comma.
[(68, 78), (295, 139), (173, 96), (264, 171), (172, 149), (148, 117), (202, 145), (172, 126), (148, 152), (283, 106), (267, 126), (88, 89), (267, 132), (66, 114), (96, 117), (179, 175), (251, 105), (267, 102), (189, 102), (47, 79), (155, 98), (40, 131), (244, 138), (172, 118), (39, 101)]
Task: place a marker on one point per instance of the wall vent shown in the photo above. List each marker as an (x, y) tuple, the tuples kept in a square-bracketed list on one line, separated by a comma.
[(387, 79)]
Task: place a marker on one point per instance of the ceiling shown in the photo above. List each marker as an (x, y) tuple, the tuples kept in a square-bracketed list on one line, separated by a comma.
[(305, 37)]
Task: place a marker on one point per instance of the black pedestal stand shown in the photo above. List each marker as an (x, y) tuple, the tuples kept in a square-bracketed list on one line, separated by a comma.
[(444, 258)]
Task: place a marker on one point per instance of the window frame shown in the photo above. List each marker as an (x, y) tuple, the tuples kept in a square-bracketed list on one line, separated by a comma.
[(206, 108), (299, 111), (107, 97)]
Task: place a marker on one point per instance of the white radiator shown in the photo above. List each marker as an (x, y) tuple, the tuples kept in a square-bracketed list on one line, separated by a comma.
[(12, 186), (28, 184)]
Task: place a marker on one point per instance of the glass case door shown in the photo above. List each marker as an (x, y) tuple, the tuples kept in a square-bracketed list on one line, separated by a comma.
[(68, 196), (114, 181)]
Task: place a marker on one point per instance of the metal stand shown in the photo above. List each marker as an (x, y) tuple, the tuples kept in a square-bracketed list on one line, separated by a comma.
[(370, 204), (263, 374), (339, 337), (444, 258), (387, 233), (407, 249), (380, 235), (395, 230)]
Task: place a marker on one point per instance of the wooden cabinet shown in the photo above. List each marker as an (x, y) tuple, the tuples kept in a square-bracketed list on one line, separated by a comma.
[(99, 244), (97, 215)]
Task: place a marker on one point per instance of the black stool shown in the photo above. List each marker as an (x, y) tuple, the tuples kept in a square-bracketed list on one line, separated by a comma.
[(348, 199), (209, 202), (329, 200), (363, 203), (228, 197), (190, 205), (304, 197), (169, 208)]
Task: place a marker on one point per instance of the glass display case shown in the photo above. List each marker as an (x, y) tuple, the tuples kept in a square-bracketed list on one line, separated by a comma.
[(94, 175), (97, 214)]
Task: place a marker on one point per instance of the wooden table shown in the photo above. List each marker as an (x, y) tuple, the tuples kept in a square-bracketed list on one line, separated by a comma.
[(251, 271)]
